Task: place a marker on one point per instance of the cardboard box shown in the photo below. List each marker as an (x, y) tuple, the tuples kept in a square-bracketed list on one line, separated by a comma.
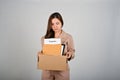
[(47, 62), (52, 58)]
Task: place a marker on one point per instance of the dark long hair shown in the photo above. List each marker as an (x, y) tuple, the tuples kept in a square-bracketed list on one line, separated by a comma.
[(50, 33)]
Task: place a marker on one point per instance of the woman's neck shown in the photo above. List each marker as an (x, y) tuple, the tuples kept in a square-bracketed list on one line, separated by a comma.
[(57, 34)]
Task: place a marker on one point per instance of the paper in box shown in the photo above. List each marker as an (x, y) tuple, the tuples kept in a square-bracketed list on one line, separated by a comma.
[(52, 49)]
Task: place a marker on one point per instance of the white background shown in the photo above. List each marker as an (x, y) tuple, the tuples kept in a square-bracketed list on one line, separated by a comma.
[(94, 25)]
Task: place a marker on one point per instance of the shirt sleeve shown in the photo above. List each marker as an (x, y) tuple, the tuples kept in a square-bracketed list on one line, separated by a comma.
[(70, 48), (42, 42)]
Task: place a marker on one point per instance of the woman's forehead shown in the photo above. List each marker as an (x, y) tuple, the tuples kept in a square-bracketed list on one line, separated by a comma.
[(55, 20)]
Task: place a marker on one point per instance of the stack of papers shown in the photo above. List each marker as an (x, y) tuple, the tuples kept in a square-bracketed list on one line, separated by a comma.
[(53, 46)]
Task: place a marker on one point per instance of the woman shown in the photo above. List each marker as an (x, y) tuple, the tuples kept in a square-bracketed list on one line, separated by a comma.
[(54, 30)]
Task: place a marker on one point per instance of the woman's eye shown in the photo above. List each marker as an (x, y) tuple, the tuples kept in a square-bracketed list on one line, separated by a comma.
[(57, 23)]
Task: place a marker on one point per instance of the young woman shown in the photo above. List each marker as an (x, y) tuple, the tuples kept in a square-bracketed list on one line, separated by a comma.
[(54, 30)]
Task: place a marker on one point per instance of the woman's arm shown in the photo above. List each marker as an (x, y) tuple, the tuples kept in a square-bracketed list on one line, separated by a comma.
[(70, 49)]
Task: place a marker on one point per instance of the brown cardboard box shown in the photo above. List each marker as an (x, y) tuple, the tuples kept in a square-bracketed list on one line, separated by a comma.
[(47, 62)]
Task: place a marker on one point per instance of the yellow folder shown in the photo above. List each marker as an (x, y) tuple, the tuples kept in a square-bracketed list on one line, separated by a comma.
[(52, 49)]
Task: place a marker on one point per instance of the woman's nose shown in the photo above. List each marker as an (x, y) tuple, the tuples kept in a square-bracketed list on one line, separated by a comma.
[(55, 26)]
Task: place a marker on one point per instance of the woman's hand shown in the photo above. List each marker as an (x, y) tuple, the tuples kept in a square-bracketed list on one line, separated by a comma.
[(39, 53), (69, 55)]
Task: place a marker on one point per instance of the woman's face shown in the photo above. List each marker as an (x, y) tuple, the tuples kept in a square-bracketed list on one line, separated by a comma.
[(56, 25)]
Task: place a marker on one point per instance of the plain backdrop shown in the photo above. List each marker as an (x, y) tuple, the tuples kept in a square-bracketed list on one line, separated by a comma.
[(94, 25)]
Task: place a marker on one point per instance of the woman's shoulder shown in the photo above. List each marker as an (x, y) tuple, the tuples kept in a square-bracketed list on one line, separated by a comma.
[(42, 37), (66, 34)]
